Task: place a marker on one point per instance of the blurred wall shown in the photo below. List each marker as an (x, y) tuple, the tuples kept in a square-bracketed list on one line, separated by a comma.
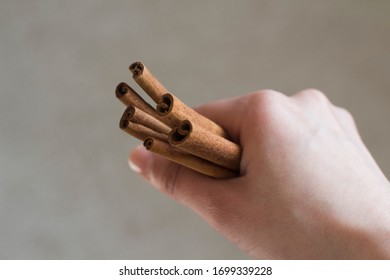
[(65, 188)]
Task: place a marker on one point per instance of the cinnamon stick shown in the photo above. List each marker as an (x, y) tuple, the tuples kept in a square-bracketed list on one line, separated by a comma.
[(193, 162), (129, 96), (169, 106), (174, 112), (147, 81), (139, 131), (194, 139), (138, 116)]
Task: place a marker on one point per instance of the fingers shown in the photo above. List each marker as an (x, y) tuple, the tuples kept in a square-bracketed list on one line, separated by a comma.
[(199, 192)]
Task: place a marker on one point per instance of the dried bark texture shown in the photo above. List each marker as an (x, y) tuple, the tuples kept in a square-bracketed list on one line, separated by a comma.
[(193, 162), (130, 97), (147, 81), (173, 112), (174, 130), (135, 115), (194, 139), (140, 131)]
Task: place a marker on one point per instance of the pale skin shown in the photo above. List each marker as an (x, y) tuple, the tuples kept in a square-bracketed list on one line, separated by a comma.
[(308, 187)]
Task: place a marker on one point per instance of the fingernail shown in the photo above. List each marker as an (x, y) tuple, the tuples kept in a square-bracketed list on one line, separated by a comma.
[(134, 167)]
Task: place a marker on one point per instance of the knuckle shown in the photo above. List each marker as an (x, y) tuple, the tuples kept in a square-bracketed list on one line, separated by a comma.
[(319, 95), (345, 114), (315, 93), (264, 100), (263, 108), (265, 95)]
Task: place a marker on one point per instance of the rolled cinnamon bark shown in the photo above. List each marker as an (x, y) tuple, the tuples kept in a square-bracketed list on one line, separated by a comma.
[(129, 96), (135, 115), (173, 112), (147, 81), (194, 139), (191, 161), (140, 131)]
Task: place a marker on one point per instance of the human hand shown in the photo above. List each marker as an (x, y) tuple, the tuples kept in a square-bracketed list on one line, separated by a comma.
[(308, 186)]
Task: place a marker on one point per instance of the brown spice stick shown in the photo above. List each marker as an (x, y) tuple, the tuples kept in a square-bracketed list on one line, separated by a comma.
[(140, 131), (194, 139), (136, 115), (147, 81), (173, 112), (129, 96), (193, 162)]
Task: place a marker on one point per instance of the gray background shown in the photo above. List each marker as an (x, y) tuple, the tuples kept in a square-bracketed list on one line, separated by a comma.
[(65, 187)]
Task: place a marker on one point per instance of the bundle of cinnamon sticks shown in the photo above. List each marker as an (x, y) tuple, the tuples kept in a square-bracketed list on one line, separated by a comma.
[(175, 131)]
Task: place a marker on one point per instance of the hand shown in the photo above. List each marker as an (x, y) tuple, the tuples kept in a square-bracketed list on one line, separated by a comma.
[(308, 188)]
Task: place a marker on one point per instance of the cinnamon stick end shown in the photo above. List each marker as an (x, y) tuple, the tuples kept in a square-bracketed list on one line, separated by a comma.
[(121, 90), (128, 113), (123, 124), (185, 127), (180, 134), (137, 68), (148, 143), (166, 105)]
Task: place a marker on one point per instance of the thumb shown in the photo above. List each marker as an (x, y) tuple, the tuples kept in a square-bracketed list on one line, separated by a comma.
[(214, 199), (197, 191)]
